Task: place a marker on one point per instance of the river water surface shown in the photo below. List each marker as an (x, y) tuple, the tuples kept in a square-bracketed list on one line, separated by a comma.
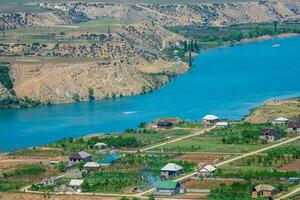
[(226, 82)]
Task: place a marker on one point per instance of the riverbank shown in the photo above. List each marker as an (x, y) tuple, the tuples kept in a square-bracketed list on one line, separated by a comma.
[(269, 37), (272, 109), (216, 85)]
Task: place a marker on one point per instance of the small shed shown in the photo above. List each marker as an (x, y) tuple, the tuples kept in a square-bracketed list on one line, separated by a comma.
[(263, 190), (171, 170), (210, 119), (294, 126), (75, 184), (167, 188), (222, 124), (110, 159), (269, 134), (207, 170), (80, 156), (281, 121)]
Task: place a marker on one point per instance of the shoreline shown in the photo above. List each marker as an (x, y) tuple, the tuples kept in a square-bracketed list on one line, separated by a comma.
[(269, 37), (243, 41)]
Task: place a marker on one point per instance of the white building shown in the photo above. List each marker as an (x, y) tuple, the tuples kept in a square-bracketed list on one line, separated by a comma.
[(91, 166), (210, 119), (222, 124), (171, 169), (207, 170), (75, 185), (281, 121)]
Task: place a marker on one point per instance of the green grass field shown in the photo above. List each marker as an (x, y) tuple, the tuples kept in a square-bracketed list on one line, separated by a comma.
[(203, 144)]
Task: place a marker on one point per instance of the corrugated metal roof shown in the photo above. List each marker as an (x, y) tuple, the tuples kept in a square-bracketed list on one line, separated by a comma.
[(76, 182), (166, 185), (171, 167), (91, 164), (110, 158)]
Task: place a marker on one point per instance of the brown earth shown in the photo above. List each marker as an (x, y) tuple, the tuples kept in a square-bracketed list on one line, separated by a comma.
[(201, 158), (204, 184), (27, 196), (293, 166)]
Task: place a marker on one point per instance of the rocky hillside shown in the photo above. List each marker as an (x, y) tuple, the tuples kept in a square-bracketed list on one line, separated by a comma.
[(62, 52)]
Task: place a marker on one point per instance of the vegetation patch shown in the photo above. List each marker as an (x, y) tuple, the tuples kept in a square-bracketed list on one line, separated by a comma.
[(244, 133)]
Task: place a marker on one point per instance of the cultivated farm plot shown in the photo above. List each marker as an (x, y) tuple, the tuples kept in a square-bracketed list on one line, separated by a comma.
[(205, 183), (293, 166), (207, 144), (202, 157)]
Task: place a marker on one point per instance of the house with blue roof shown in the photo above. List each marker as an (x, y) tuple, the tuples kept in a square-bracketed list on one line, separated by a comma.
[(110, 159)]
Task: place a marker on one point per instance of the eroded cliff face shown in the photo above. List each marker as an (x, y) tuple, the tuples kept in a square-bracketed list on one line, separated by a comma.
[(60, 82)]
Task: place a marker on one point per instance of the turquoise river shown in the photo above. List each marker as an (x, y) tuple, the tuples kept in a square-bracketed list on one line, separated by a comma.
[(227, 82)]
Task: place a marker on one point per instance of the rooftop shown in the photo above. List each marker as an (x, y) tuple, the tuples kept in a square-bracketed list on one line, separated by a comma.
[(222, 124), (76, 182), (268, 131), (264, 187), (100, 144), (210, 117), (171, 167), (80, 155), (294, 124), (281, 119), (208, 168), (166, 184), (91, 164), (110, 158)]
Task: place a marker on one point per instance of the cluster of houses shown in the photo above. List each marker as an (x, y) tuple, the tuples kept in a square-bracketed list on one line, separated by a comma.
[(90, 166), (172, 170)]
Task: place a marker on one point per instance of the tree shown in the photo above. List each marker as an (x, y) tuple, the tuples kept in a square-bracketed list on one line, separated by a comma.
[(91, 94), (151, 197), (76, 97), (190, 59), (275, 25)]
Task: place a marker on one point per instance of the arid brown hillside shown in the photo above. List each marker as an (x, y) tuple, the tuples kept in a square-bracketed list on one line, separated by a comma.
[(58, 51)]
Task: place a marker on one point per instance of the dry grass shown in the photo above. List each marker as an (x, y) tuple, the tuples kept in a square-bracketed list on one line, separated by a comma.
[(27, 196), (274, 109), (204, 184), (201, 158), (293, 166)]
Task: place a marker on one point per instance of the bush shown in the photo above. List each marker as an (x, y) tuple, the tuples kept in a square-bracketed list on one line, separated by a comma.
[(5, 78)]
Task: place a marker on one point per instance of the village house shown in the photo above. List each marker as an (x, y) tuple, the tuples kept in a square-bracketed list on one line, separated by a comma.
[(91, 166), (222, 124), (210, 119), (49, 181), (280, 121), (171, 170), (263, 190), (80, 156), (294, 126), (75, 185), (165, 124), (167, 188), (207, 170), (110, 159), (269, 134), (102, 148)]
